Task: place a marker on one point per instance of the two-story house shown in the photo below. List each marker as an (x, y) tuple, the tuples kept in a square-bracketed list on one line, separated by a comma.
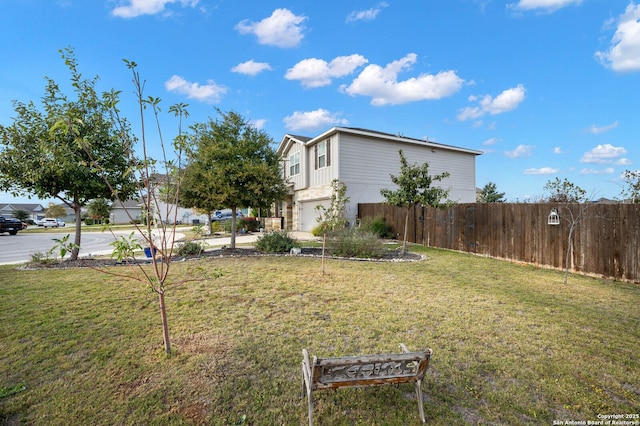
[(363, 160)]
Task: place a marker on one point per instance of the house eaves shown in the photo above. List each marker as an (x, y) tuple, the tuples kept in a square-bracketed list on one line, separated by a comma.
[(288, 140), (390, 137)]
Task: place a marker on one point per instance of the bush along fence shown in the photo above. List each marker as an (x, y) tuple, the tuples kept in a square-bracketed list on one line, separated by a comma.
[(605, 237)]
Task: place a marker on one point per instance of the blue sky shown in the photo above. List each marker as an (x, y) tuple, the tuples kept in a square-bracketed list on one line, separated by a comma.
[(545, 88)]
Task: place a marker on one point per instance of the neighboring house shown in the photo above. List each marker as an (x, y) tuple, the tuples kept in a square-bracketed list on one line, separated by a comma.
[(36, 211), (363, 160), (122, 213), (182, 215), (125, 212)]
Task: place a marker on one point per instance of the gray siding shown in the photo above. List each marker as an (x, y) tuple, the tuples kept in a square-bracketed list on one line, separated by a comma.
[(324, 175), (298, 180), (366, 165)]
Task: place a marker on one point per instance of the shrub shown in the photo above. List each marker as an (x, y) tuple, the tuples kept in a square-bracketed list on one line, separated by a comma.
[(319, 230), (355, 243), (190, 248), (250, 224), (378, 226), (276, 242), (40, 258), (216, 227)]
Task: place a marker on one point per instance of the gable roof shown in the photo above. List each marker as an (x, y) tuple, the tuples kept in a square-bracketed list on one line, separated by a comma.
[(288, 139), (28, 207)]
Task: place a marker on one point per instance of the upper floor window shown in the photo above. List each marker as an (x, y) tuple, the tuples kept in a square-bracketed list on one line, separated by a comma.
[(294, 164), (323, 154)]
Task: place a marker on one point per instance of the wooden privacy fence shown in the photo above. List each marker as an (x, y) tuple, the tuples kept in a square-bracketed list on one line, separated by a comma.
[(606, 239)]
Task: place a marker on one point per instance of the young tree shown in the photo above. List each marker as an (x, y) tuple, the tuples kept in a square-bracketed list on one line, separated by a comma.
[(334, 217), (231, 165), (151, 176), (414, 188), (564, 191), (99, 209), (573, 205), (489, 194), (41, 154), (55, 210), (631, 190)]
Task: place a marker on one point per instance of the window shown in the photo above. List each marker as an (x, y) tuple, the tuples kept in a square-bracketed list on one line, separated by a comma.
[(323, 154), (294, 164)]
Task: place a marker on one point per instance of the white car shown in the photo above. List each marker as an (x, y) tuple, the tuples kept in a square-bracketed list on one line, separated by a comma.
[(49, 222)]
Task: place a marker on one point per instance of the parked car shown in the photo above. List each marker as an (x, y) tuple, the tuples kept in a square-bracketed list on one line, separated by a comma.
[(224, 215), (12, 226), (61, 222), (50, 222)]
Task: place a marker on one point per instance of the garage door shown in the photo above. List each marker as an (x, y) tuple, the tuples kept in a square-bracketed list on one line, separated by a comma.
[(307, 214)]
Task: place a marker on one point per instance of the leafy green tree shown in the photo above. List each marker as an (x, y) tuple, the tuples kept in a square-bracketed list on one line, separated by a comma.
[(51, 152), (99, 209), (231, 165), (415, 188), (196, 192), (631, 189), (55, 210), (489, 194)]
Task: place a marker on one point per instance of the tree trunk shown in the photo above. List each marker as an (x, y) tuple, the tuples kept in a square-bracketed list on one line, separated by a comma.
[(233, 227), (406, 229), (165, 323), (76, 241), (569, 249)]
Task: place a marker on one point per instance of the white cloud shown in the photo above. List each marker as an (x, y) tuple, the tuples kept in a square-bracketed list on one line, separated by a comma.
[(557, 150), (541, 171), (313, 120), (602, 129), (623, 162), (133, 8), (506, 101), (251, 67), (210, 92), (603, 154), (624, 52), (547, 5), (607, 171), (491, 141), (520, 151), (259, 124), (366, 15), (383, 86), (315, 72), (281, 29)]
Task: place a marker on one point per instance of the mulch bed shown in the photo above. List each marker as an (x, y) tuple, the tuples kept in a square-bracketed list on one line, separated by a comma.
[(388, 256)]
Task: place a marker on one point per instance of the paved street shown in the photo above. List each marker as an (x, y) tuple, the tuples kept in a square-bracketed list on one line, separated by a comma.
[(19, 248)]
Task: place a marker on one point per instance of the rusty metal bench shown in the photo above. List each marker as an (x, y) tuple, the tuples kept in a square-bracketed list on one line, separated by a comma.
[(365, 370)]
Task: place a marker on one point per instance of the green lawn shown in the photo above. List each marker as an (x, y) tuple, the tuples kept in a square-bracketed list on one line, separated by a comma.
[(512, 344)]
